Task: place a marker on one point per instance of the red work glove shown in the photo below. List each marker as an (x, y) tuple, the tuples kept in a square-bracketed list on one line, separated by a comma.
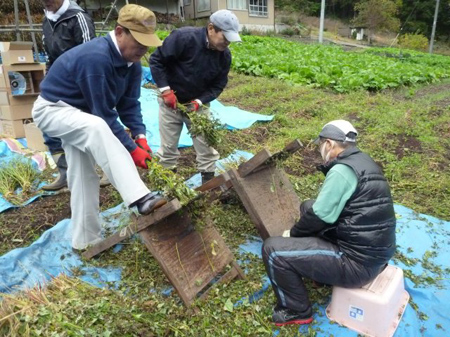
[(142, 143), (193, 106), (140, 157), (170, 99)]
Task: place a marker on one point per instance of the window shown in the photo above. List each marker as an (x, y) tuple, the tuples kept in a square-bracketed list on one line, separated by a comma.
[(257, 7), (237, 4), (186, 2), (204, 5)]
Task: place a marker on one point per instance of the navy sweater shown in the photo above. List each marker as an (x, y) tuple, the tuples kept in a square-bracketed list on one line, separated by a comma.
[(94, 78), (193, 71)]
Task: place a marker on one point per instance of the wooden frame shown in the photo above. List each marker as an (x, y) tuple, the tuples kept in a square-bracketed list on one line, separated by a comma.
[(190, 259), (264, 189)]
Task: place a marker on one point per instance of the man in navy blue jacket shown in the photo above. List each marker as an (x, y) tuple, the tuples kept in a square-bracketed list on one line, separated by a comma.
[(83, 94), (191, 67)]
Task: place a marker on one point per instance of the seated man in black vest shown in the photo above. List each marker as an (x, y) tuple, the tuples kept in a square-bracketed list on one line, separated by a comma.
[(345, 237)]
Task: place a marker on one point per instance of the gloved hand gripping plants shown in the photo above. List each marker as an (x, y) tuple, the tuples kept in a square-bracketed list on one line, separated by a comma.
[(160, 178), (202, 125)]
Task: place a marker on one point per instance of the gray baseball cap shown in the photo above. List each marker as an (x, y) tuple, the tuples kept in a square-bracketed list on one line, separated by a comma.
[(339, 130), (228, 23)]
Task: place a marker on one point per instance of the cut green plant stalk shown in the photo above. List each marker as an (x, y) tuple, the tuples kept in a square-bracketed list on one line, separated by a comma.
[(172, 186), (203, 125)]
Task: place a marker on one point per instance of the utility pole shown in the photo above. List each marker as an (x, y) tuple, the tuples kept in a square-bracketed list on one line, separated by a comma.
[(16, 18), (322, 19), (433, 31)]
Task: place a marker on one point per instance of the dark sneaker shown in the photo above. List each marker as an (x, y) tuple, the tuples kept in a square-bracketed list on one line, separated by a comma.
[(149, 203), (283, 316), (206, 176)]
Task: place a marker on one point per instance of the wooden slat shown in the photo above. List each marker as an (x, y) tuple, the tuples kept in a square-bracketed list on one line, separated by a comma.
[(213, 183), (288, 150), (269, 199), (234, 272), (139, 223), (260, 158), (228, 276), (186, 255), (241, 274)]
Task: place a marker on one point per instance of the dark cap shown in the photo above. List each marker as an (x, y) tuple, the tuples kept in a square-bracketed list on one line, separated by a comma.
[(339, 130)]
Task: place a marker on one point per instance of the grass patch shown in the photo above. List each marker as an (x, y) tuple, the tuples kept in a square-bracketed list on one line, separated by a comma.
[(405, 130), (18, 180)]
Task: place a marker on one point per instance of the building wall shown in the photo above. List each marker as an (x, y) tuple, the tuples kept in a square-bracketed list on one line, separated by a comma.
[(154, 5), (251, 22)]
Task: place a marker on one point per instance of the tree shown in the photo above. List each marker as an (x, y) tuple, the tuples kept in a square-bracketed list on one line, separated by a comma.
[(417, 17), (377, 15)]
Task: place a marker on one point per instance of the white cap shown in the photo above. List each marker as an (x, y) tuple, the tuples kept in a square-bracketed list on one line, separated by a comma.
[(228, 23), (339, 130)]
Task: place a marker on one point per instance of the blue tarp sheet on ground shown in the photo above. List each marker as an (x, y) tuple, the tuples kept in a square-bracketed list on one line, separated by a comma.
[(231, 117), (417, 233)]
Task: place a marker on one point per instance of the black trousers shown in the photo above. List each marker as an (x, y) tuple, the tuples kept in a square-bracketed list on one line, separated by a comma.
[(288, 260)]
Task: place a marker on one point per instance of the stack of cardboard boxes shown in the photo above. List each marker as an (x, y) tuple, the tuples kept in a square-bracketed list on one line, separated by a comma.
[(16, 105)]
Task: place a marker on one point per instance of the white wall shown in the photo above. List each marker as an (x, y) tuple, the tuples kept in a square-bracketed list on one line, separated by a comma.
[(153, 5)]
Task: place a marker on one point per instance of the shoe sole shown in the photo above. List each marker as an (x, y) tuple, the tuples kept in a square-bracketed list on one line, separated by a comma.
[(49, 188), (296, 321)]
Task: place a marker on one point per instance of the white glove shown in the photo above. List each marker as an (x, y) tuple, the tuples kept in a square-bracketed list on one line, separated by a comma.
[(287, 233)]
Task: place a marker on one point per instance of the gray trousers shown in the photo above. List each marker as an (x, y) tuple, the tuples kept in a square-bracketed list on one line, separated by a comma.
[(86, 140), (288, 260), (170, 126)]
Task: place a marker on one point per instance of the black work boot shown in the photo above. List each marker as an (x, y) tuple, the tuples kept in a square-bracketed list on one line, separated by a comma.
[(207, 176), (148, 203), (61, 180), (284, 316)]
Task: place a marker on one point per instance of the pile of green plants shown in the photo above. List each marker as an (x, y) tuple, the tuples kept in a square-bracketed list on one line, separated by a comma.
[(170, 184), (330, 66), (18, 180), (210, 128)]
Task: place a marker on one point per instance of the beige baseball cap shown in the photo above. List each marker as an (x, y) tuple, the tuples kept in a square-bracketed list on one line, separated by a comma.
[(142, 24)]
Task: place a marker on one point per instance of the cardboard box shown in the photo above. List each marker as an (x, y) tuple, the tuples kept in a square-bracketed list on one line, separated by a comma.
[(13, 129), (35, 140), (16, 52), (15, 112), (8, 99), (32, 73)]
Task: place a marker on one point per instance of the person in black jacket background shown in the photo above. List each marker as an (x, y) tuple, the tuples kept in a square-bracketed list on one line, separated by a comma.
[(65, 26), (345, 237), (191, 68)]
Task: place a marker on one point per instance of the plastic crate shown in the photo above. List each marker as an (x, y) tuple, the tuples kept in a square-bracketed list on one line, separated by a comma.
[(374, 309)]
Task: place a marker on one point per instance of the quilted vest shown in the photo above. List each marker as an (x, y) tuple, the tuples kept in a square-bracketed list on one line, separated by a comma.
[(365, 229)]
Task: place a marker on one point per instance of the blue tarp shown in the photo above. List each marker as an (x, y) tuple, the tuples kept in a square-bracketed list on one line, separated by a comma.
[(417, 233), (231, 117)]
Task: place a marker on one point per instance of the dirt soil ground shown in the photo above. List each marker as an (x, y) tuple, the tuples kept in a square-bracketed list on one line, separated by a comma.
[(21, 226)]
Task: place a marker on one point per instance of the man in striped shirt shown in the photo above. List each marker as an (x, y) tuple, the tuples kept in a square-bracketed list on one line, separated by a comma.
[(65, 26)]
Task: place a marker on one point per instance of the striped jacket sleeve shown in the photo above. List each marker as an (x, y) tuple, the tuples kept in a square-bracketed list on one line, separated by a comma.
[(84, 29)]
